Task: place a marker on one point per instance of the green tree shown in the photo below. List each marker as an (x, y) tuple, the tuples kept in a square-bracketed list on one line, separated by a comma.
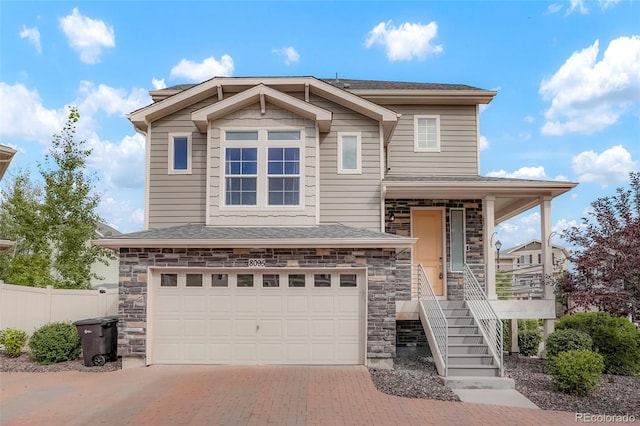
[(53, 225)]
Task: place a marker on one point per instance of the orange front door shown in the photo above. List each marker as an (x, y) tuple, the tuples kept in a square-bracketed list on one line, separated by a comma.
[(426, 226)]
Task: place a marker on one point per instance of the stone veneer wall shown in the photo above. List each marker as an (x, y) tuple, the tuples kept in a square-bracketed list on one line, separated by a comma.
[(381, 295), (474, 237)]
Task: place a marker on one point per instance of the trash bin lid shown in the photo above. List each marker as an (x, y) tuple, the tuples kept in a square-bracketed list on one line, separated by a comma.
[(96, 321)]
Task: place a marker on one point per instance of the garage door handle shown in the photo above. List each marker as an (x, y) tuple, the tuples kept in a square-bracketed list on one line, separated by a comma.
[(257, 327)]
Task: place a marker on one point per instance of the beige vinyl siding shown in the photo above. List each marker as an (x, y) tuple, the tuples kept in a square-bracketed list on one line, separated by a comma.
[(176, 199), (351, 199), (251, 118), (458, 143)]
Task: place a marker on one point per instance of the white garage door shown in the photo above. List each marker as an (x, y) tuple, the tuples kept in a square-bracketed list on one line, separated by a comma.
[(248, 317)]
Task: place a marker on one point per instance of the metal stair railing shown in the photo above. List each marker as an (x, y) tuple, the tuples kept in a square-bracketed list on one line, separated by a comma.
[(485, 316), (436, 320)]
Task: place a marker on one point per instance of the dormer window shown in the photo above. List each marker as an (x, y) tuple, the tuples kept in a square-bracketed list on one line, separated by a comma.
[(426, 133), (179, 153)]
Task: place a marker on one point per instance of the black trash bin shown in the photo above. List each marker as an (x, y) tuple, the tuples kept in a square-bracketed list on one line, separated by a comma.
[(99, 338)]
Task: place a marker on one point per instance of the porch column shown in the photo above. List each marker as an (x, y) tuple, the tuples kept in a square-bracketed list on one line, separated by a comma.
[(547, 261), (489, 241)]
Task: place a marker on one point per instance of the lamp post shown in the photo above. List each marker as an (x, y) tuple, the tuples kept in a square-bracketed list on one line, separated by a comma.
[(498, 247)]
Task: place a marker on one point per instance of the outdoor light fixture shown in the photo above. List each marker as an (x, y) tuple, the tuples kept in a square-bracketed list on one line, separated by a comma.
[(392, 216), (498, 247)]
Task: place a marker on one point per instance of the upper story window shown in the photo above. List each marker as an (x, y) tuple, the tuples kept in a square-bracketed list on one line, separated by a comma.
[(263, 168), (179, 153), (426, 133), (349, 153)]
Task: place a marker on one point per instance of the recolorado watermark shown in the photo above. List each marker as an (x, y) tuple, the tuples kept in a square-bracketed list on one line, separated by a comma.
[(605, 418)]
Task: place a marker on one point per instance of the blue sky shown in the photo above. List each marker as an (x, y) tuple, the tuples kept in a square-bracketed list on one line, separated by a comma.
[(567, 75)]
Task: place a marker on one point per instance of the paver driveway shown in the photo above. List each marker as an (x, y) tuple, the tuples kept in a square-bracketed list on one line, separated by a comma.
[(231, 395)]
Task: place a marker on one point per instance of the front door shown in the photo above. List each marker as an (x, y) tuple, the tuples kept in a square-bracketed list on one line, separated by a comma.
[(426, 226)]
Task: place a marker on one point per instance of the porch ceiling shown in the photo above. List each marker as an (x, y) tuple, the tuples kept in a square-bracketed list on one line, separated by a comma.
[(512, 196)]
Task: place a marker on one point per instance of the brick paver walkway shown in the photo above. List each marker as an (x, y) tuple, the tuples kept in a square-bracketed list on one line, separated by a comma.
[(231, 395)]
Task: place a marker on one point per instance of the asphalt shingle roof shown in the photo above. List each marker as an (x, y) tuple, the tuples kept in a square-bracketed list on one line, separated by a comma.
[(458, 179), (202, 232)]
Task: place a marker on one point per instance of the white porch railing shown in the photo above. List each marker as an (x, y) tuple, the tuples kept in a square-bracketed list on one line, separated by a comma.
[(436, 322), (489, 323)]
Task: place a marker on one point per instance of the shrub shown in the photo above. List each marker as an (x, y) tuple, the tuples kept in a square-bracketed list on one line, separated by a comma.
[(587, 322), (576, 372), (528, 324), (619, 343), (13, 341), (55, 342), (529, 342), (566, 340)]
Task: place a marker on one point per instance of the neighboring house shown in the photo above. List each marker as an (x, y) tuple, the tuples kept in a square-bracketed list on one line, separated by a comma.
[(524, 264), (295, 220), (109, 273), (6, 155)]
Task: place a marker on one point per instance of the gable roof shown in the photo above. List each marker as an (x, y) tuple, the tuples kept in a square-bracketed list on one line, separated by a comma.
[(537, 246), (197, 235), (222, 87)]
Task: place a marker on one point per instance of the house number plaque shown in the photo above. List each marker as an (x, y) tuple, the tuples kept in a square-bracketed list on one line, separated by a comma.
[(257, 263)]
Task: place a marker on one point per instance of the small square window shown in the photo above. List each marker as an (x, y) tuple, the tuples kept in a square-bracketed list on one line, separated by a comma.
[(348, 280), (194, 280), (270, 280), (219, 280), (168, 280), (245, 280), (296, 280), (322, 280)]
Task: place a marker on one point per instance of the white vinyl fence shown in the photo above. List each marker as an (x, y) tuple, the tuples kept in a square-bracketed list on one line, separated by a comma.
[(28, 308)]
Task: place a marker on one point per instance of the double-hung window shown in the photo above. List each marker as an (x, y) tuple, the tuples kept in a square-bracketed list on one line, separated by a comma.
[(263, 168), (426, 133), (179, 153)]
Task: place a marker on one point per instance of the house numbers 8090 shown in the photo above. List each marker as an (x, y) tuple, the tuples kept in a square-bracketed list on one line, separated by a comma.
[(257, 263)]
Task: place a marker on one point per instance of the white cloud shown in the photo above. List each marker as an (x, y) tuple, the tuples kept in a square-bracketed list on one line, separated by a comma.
[(111, 100), (23, 117), (577, 5), (484, 143), (204, 70), (33, 35), (120, 214), (406, 42), (522, 173), (87, 36), (605, 4), (610, 167), (554, 8), (158, 83), (289, 53), (122, 163), (589, 95), (529, 119)]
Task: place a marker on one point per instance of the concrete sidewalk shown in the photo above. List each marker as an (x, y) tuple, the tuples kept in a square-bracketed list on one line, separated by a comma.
[(232, 395), (502, 397)]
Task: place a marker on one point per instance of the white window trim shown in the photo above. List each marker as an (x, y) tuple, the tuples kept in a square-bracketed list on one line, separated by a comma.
[(262, 178), (464, 242), (416, 148), (358, 169), (171, 149)]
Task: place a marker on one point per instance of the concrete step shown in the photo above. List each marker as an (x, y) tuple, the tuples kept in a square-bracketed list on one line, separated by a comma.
[(463, 329), (465, 338), (471, 359), (449, 304), (472, 382), (456, 312), (461, 321), (467, 348), (473, 370)]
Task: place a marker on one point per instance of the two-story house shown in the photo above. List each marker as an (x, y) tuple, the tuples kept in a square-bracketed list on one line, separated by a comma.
[(296, 220)]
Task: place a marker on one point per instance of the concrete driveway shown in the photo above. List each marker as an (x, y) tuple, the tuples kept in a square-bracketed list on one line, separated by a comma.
[(231, 395)]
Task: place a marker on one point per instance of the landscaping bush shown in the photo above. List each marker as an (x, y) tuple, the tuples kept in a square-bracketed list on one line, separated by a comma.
[(529, 342), (528, 324), (13, 341), (55, 342), (619, 342), (587, 322), (577, 372), (566, 340)]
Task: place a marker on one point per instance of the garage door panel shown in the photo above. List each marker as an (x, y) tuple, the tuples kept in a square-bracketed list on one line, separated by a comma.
[(296, 352), (348, 327), (195, 328), (271, 352), (168, 303), (220, 353), (170, 353), (194, 352), (220, 328), (245, 352), (297, 304), (220, 303), (168, 328), (245, 328), (348, 304), (346, 352), (271, 328), (297, 328), (322, 352), (245, 303), (271, 304), (322, 303), (322, 328), (193, 303)]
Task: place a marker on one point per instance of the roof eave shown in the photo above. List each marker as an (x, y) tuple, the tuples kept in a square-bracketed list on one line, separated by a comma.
[(553, 188), (458, 97), (390, 243)]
